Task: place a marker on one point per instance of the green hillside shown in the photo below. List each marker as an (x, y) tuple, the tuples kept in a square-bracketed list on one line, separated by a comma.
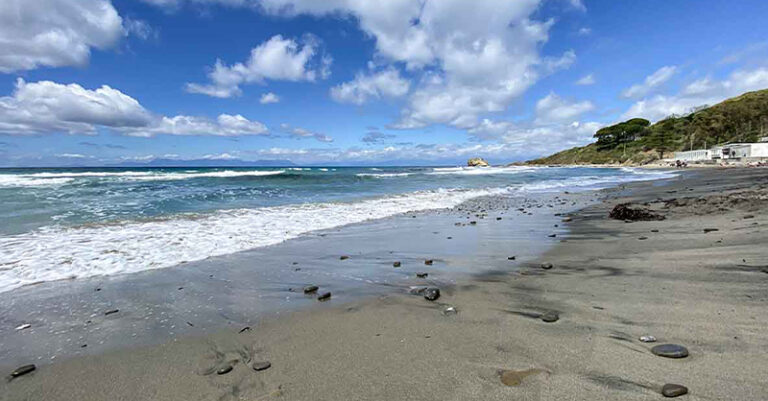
[(636, 141)]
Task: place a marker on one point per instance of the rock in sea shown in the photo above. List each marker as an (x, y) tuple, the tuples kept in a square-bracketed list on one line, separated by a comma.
[(477, 162), (670, 351), (431, 293), (673, 390)]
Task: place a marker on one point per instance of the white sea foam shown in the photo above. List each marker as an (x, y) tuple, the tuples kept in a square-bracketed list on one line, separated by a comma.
[(56, 253), (46, 179), (480, 170), (8, 180), (209, 174), (383, 175)]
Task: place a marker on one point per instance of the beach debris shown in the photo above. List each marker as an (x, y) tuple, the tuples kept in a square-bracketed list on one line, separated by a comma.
[(111, 311), (24, 326), (244, 329), (22, 370), (396, 264), (324, 296), (225, 369), (422, 275), (550, 316), (261, 365), (514, 378), (451, 310), (648, 339), (428, 262), (670, 351), (343, 257), (626, 213), (431, 293), (673, 390), (547, 266), (709, 230), (310, 289)]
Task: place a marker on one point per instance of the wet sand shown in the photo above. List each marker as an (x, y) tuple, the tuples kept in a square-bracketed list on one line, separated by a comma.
[(610, 283)]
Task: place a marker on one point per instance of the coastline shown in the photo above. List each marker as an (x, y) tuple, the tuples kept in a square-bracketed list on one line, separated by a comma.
[(608, 286)]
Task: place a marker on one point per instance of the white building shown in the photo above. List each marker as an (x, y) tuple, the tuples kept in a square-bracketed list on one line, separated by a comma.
[(731, 151), (694, 155)]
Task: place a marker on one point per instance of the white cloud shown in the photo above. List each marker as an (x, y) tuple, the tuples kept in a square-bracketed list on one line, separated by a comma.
[(57, 33), (475, 57), (278, 58), (268, 98), (386, 83), (49, 107), (701, 92), (585, 31), (553, 108), (586, 80), (651, 82), (139, 28), (300, 133)]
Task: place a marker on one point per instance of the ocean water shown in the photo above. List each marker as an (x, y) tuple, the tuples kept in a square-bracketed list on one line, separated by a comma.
[(77, 223)]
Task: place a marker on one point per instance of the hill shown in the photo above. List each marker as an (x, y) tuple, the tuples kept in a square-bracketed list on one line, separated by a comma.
[(636, 141)]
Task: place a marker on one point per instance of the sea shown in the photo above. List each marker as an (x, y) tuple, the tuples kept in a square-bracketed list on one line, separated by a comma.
[(65, 224)]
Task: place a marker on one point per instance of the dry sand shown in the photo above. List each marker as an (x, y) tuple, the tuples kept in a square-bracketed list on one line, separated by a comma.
[(706, 291)]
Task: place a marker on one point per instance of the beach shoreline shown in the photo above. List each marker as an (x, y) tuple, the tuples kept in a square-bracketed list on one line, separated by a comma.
[(610, 283)]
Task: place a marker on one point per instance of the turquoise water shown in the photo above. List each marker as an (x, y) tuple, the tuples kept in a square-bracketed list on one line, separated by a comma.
[(69, 223)]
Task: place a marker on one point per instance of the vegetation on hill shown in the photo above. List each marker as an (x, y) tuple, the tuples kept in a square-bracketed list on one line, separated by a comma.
[(637, 141)]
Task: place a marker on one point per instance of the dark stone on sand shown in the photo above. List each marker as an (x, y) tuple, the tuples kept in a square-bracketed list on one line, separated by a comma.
[(224, 369), (396, 264), (567, 220), (498, 218), (670, 351), (431, 293), (259, 366), (547, 266), (310, 289), (422, 275), (244, 329), (111, 311), (511, 257), (749, 216), (643, 238), (324, 296), (428, 262), (626, 213), (344, 257), (22, 370), (673, 390), (472, 222), (550, 317), (552, 235), (654, 231), (709, 230)]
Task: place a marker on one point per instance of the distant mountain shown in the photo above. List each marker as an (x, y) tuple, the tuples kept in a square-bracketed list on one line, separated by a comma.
[(740, 119), (207, 163)]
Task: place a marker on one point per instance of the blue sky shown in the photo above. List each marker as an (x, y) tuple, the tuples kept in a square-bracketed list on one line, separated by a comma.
[(94, 82)]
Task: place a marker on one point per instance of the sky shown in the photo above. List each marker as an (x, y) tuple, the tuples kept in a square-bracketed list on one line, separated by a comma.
[(356, 82)]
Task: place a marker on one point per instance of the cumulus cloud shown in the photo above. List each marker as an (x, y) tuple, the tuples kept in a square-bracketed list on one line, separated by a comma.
[(553, 108), (651, 82), (706, 91), (376, 137), (301, 133), (268, 98), (586, 80), (280, 59), (57, 33), (49, 107), (475, 57), (386, 83)]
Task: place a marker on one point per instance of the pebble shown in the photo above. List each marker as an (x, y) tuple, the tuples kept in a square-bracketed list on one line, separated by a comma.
[(709, 230), (259, 366), (396, 264), (24, 326), (648, 339), (224, 370), (428, 262), (324, 296), (22, 370), (422, 275), (310, 289), (670, 351), (451, 310), (552, 235), (550, 317), (511, 257), (673, 390), (344, 257), (547, 266), (109, 312), (643, 238), (567, 219), (431, 293)]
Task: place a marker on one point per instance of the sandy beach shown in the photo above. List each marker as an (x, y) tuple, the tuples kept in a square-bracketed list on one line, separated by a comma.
[(610, 283)]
